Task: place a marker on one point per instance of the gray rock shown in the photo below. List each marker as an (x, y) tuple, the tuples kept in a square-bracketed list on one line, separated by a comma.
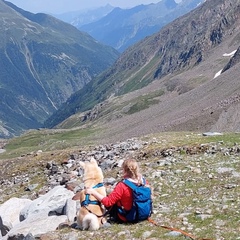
[(173, 234), (221, 170), (52, 203), (212, 134), (29, 236), (3, 229), (70, 210), (146, 234), (31, 187), (204, 216), (36, 226), (9, 212)]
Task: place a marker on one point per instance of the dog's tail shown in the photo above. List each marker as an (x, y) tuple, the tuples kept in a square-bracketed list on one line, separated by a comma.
[(90, 222)]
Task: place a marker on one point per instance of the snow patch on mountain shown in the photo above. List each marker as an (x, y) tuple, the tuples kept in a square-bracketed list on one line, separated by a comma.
[(231, 54)]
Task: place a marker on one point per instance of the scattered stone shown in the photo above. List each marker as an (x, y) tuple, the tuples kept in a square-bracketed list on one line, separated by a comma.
[(173, 234), (221, 170), (168, 171), (220, 223), (204, 216), (146, 234), (31, 187), (212, 134)]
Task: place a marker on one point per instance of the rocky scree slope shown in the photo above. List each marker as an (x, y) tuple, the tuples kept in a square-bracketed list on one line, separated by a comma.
[(195, 184)]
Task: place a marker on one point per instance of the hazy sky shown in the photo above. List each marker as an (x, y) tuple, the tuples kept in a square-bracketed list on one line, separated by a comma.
[(61, 6)]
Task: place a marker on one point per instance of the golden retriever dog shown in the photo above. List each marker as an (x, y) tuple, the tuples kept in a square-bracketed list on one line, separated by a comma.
[(91, 213)]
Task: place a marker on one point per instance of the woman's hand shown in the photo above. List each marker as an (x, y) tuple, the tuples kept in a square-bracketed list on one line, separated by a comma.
[(89, 191), (93, 192)]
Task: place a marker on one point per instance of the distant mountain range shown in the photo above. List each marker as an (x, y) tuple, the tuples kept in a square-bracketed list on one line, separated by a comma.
[(43, 61), (82, 17), (184, 77), (121, 28)]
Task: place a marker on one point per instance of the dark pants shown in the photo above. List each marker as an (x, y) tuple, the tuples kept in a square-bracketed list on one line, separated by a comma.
[(114, 214)]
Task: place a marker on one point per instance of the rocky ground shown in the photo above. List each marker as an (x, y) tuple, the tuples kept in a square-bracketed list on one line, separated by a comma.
[(195, 182)]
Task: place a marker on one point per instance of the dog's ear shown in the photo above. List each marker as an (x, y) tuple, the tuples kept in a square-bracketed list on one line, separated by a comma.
[(92, 160), (82, 164)]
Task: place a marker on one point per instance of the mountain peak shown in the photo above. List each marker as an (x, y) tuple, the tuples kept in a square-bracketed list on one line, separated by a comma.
[(128, 26), (170, 4)]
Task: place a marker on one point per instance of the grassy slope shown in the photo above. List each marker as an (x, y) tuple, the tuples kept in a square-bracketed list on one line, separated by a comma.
[(191, 184)]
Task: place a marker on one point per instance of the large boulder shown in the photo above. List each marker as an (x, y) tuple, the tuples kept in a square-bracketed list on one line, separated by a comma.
[(36, 226), (9, 213), (52, 203), (37, 217)]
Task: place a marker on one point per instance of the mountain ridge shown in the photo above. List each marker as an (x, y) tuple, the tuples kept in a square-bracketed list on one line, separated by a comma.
[(176, 71), (37, 57), (85, 16), (128, 26)]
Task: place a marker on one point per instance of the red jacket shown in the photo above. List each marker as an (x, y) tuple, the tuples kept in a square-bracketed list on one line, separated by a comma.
[(122, 196)]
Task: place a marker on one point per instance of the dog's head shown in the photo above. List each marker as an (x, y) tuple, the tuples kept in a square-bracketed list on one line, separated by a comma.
[(92, 173)]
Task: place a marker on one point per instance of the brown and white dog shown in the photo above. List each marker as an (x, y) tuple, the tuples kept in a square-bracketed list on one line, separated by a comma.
[(91, 213)]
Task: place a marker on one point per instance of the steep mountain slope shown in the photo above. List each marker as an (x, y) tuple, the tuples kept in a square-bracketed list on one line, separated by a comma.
[(169, 78), (43, 61), (122, 28)]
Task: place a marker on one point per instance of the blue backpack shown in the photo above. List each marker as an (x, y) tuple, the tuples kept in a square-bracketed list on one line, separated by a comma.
[(142, 203)]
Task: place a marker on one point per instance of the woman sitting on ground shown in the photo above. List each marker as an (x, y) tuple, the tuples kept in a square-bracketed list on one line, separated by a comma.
[(121, 196)]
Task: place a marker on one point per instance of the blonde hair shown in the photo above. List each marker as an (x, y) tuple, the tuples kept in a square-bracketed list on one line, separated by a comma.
[(131, 170)]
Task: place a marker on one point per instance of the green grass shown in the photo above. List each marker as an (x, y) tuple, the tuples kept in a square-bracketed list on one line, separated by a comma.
[(197, 189), (47, 140), (194, 138), (134, 84), (145, 101), (182, 190), (141, 105), (141, 79)]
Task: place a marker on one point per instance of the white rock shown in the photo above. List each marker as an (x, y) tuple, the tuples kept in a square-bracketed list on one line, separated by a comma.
[(70, 210), (212, 134), (36, 226), (51, 203), (9, 212)]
